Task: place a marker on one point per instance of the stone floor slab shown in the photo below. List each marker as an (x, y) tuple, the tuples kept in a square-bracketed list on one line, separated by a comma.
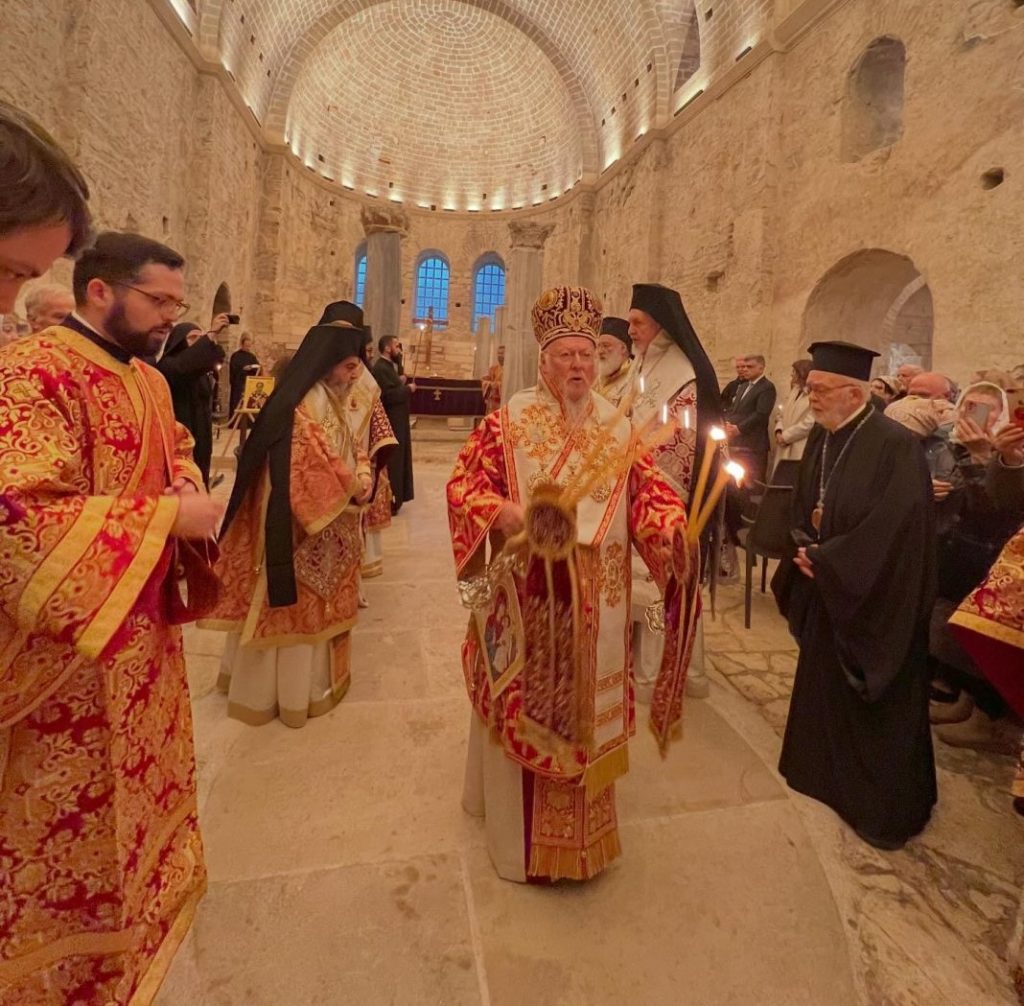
[(394, 933), (708, 909)]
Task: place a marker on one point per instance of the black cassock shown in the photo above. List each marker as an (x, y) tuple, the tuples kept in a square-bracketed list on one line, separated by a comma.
[(189, 372), (241, 365), (858, 736), (395, 397)]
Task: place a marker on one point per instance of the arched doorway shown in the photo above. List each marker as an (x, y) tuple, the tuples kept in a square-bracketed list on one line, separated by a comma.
[(222, 300), (874, 298)]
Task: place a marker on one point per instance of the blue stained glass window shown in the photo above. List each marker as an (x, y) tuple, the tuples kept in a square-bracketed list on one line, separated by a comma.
[(361, 279), (433, 279), (488, 291)]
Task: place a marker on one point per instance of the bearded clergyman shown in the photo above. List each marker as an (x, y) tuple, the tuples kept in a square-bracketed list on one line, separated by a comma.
[(291, 543), (557, 486), (614, 360)]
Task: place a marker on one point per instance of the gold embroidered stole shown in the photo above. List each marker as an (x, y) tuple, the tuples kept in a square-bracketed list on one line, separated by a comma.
[(576, 709)]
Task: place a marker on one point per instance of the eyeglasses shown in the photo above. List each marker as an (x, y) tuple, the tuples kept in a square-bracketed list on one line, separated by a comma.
[(567, 355), (823, 389), (165, 305)]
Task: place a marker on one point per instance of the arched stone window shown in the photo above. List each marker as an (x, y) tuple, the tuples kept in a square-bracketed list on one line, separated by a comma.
[(433, 281), (689, 62), (488, 287), (873, 109), (359, 285)]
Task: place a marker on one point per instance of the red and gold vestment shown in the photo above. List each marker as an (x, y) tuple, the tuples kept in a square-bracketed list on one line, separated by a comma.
[(568, 774), (100, 852)]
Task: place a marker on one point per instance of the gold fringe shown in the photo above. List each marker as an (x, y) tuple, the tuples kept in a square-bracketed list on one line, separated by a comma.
[(602, 773), (557, 863)]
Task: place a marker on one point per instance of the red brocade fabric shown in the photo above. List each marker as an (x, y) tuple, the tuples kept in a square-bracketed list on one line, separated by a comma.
[(100, 853)]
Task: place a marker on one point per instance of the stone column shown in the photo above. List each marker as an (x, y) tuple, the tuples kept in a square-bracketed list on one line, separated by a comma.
[(482, 344), (525, 284), (384, 226)]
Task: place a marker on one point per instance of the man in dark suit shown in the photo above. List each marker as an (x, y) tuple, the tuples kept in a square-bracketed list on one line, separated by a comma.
[(746, 426), (748, 417), (729, 391)]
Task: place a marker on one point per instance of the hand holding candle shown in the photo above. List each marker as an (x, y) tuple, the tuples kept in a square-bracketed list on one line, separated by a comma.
[(730, 470)]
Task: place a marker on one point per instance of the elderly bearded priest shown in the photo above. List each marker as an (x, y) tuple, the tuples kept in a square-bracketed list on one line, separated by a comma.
[(858, 596), (547, 656)]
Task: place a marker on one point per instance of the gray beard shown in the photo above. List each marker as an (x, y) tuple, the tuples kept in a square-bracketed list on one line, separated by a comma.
[(606, 368), (340, 391)]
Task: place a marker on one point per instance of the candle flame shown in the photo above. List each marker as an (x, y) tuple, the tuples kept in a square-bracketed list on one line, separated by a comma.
[(664, 413), (717, 433), (687, 418), (736, 471)]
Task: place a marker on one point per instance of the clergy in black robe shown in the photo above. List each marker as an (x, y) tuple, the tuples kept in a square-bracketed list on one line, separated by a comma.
[(243, 363), (188, 365), (395, 397), (857, 596)]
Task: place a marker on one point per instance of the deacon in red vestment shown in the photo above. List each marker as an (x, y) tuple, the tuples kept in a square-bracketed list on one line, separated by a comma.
[(99, 845), (547, 658)]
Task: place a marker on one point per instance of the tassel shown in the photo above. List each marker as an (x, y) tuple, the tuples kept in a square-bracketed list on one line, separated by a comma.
[(557, 863)]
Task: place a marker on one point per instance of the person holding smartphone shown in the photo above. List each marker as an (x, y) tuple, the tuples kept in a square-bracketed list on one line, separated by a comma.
[(975, 523), (189, 364)]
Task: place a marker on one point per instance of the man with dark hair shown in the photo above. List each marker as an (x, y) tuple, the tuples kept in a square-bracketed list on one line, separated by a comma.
[(102, 513), (396, 394), (746, 426), (189, 365), (44, 210)]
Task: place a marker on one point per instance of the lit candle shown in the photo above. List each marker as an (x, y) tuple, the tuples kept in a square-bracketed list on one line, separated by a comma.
[(664, 414), (730, 470), (715, 436), (687, 418)]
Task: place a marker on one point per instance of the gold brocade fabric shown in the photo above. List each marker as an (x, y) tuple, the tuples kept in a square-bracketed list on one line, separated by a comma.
[(326, 529), (100, 855), (573, 830)]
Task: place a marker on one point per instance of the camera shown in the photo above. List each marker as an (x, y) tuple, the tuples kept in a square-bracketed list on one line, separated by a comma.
[(233, 319)]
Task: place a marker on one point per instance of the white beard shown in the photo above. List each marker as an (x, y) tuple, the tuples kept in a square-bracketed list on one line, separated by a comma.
[(606, 368), (576, 411)]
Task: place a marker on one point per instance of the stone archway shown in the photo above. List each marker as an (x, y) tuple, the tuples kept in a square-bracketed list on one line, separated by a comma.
[(222, 300), (874, 298)]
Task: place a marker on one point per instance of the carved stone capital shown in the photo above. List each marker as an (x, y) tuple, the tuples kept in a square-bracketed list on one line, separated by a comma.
[(384, 219), (526, 234)]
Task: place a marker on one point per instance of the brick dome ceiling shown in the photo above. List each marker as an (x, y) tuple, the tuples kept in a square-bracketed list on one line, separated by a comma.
[(458, 104)]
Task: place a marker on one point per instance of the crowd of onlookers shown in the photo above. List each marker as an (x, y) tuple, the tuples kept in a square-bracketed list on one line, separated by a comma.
[(973, 440)]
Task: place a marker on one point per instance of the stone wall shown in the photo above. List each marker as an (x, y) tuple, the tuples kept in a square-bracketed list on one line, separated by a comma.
[(745, 202)]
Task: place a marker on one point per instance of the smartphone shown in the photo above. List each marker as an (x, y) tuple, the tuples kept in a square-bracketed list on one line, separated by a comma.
[(1015, 399), (233, 319), (978, 412)]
